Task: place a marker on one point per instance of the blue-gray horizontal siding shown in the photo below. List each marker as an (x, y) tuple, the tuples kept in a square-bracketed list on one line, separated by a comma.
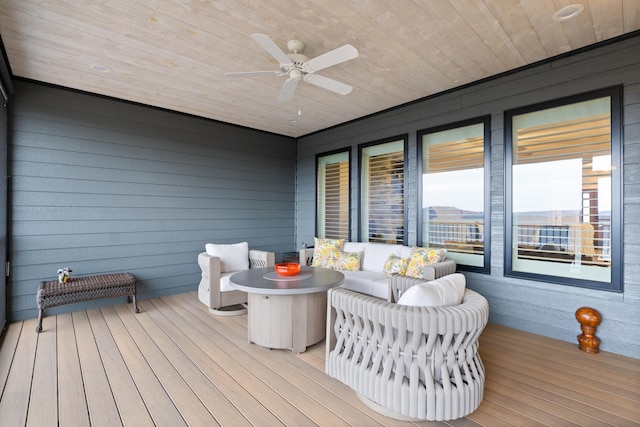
[(543, 308), (103, 186)]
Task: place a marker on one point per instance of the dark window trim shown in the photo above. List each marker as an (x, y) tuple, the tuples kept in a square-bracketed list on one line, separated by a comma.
[(405, 139), (329, 153), (486, 121), (617, 261)]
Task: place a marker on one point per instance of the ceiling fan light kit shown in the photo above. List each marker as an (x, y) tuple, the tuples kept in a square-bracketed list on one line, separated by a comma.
[(297, 66)]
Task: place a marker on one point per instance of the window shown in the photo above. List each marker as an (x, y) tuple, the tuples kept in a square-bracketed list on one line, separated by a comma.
[(333, 195), (382, 192), (564, 191), (454, 190)]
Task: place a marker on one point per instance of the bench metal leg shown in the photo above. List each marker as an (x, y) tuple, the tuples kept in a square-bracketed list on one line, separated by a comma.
[(132, 298), (40, 314)]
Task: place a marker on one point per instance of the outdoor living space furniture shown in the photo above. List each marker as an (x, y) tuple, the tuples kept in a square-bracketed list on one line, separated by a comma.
[(409, 362), (52, 293), (369, 276), (218, 263), (287, 311)]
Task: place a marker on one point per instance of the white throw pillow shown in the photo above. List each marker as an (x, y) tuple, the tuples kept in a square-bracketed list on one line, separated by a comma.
[(445, 291), (233, 257)]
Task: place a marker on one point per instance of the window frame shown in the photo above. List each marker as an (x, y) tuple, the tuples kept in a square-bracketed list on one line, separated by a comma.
[(319, 156), (361, 147), (486, 122), (616, 282)]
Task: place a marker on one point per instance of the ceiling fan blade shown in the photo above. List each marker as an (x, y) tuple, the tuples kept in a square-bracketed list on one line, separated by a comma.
[(288, 89), (254, 74), (329, 84), (272, 48), (336, 56)]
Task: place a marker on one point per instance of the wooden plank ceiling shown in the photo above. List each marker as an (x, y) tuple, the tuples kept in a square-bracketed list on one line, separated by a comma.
[(174, 54)]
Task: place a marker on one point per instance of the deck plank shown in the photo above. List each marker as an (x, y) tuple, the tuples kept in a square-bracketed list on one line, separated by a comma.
[(100, 402), (206, 388), (15, 397), (44, 386), (131, 407), (247, 369), (72, 403), (192, 410), (177, 364), (8, 350), (319, 387), (157, 400)]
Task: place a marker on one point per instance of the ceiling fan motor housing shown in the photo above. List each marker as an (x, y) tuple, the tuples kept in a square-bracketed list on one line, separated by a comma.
[(297, 59)]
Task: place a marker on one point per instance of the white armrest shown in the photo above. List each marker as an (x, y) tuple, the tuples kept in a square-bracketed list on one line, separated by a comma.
[(306, 256), (259, 258)]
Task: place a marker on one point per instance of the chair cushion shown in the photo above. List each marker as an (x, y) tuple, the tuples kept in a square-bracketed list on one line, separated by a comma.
[(445, 291), (233, 257), (324, 250), (421, 257), (225, 286)]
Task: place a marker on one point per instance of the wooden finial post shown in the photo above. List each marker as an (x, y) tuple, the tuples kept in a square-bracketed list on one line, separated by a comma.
[(589, 320)]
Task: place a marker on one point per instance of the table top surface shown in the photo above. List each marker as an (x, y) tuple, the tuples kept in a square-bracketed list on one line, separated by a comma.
[(264, 281)]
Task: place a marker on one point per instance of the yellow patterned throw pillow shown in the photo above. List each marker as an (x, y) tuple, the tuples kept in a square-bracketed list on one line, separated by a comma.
[(324, 249), (346, 261), (395, 265), (421, 257)]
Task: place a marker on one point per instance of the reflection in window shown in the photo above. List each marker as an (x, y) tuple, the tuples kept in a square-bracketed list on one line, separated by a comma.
[(333, 196), (561, 192), (382, 192), (453, 191)]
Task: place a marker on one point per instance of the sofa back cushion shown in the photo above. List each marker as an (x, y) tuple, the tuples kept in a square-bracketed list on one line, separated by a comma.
[(233, 257), (445, 291), (376, 255), (354, 246)]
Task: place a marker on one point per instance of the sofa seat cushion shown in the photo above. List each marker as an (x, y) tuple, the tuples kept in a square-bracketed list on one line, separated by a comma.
[(225, 286), (366, 282), (445, 291)]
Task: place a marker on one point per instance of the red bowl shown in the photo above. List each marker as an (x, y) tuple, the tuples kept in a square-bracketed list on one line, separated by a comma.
[(287, 268)]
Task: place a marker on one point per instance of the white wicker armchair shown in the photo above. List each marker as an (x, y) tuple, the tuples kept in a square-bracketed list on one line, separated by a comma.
[(214, 290), (406, 362)]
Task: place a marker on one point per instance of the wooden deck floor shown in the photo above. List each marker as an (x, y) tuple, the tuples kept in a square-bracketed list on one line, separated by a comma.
[(175, 364)]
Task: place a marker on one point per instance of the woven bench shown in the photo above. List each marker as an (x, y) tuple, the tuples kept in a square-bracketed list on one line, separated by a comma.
[(52, 293)]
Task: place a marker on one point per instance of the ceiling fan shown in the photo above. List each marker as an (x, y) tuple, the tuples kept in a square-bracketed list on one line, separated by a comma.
[(298, 67)]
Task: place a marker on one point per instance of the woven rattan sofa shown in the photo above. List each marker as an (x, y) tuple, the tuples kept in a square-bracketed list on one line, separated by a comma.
[(408, 362)]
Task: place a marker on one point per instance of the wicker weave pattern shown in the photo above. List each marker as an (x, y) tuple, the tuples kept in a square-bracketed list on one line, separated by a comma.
[(52, 293), (417, 362), (257, 259)]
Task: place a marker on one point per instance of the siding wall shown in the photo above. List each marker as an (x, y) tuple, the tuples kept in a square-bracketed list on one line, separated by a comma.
[(105, 186), (542, 308)]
